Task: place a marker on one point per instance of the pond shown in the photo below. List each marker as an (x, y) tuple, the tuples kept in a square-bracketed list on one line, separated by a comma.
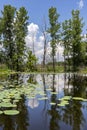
[(43, 102)]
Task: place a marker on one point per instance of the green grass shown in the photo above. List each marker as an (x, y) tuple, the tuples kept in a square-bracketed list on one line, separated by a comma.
[(83, 70), (48, 69), (4, 70)]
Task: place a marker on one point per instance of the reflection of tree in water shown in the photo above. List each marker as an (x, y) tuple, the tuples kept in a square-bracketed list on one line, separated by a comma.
[(79, 85), (14, 79), (72, 114), (32, 79), (46, 103), (18, 122), (53, 112), (23, 117)]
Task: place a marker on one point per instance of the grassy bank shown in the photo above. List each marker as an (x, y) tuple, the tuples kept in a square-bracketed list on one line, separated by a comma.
[(48, 69)]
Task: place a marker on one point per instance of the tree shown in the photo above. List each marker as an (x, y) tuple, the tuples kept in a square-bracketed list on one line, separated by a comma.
[(20, 30), (66, 41), (8, 33), (53, 30), (44, 33), (76, 39), (31, 60)]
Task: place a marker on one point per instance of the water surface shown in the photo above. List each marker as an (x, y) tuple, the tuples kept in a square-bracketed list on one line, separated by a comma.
[(36, 114)]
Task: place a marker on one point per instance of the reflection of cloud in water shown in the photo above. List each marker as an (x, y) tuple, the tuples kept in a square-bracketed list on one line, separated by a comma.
[(32, 103), (58, 82)]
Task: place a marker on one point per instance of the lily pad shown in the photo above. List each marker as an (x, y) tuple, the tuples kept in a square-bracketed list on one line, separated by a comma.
[(43, 94), (6, 100), (78, 98), (65, 98), (11, 112), (5, 104), (85, 100), (52, 103), (43, 98), (48, 89), (61, 105), (1, 112), (54, 92)]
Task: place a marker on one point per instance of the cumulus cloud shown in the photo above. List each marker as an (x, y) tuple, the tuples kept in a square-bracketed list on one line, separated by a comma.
[(81, 4), (33, 28), (34, 35)]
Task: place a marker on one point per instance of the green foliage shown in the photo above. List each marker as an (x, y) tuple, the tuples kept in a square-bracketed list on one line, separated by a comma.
[(74, 49), (66, 41), (7, 32), (13, 31), (53, 30), (76, 39), (20, 28), (31, 61)]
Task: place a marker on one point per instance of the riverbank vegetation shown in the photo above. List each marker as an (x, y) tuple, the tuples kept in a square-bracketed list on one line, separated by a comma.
[(16, 56)]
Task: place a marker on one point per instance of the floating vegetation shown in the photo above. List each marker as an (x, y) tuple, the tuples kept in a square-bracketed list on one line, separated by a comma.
[(11, 112), (1, 112), (48, 89), (78, 98), (85, 100), (6, 100), (52, 103), (54, 92), (43, 98), (66, 98), (4, 104), (63, 103)]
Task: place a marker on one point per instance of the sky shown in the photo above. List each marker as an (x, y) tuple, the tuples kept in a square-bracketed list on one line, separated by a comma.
[(38, 9)]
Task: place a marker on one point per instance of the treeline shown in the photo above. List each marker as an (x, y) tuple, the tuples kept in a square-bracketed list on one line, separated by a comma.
[(13, 30)]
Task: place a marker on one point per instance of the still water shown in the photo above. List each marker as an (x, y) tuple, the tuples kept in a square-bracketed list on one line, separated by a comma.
[(37, 114)]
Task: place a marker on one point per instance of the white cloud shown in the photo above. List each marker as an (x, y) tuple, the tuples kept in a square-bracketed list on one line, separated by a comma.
[(81, 4), (35, 36), (33, 28)]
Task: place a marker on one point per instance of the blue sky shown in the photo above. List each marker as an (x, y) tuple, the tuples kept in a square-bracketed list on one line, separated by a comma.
[(37, 9)]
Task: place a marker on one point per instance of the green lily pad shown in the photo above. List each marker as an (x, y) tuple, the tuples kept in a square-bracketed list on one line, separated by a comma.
[(11, 112), (16, 100), (48, 89), (85, 100), (43, 94), (54, 92), (43, 98), (1, 112), (65, 98), (5, 104), (61, 105), (52, 103), (6, 100), (78, 98)]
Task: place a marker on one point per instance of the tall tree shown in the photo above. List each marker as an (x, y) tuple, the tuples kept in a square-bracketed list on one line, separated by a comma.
[(66, 41), (31, 60), (8, 31), (20, 26), (53, 30), (76, 39), (44, 33)]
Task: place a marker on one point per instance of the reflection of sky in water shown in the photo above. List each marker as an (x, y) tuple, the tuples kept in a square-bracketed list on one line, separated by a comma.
[(32, 103), (41, 115)]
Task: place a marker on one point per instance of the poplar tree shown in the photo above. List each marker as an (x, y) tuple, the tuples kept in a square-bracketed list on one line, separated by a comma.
[(66, 42), (20, 26), (54, 32), (8, 33), (76, 39)]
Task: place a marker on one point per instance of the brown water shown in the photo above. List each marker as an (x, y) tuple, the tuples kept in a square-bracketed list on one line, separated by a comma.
[(40, 114)]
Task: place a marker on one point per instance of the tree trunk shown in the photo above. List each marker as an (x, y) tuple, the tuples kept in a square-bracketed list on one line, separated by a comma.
[(53, 63)]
